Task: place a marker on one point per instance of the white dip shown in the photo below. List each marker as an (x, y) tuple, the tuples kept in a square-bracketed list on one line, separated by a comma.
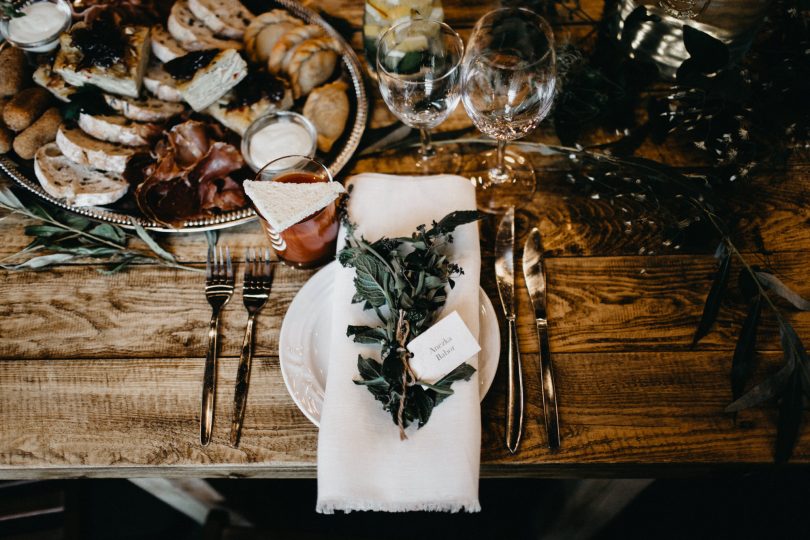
[(41, 20), (278, 140)]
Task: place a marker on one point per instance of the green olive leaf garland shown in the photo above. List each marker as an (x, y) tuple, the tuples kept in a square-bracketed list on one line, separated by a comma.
[(404, 280)]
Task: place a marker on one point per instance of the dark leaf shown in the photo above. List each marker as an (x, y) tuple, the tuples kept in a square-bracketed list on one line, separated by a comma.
[(42, 261), (393, 368), (46, 231), (773, 283), (742, 365), (368, 368), (7, 198), (790, 417), (109, 232), (767, 389), (708, 54), (152, 243), (462, 372), (451, 221), (748, 287), (715, 297), (422, 403), (370, 279), (367, 335), (794, 351)]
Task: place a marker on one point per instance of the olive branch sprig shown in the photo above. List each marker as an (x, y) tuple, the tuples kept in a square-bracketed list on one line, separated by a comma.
[(60, 236)]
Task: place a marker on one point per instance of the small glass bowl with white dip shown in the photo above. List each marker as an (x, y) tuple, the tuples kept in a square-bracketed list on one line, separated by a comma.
[(278, 134), (39, 27)]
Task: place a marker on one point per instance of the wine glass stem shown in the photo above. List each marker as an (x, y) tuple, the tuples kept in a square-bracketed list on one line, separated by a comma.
[(499, 174), (427, 150), (501, 151)]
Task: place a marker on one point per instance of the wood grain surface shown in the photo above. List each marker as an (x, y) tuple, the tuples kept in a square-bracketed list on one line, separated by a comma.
[(100, 375)]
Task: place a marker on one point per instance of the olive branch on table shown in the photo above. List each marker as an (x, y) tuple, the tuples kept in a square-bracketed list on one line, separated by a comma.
[(60, 236)]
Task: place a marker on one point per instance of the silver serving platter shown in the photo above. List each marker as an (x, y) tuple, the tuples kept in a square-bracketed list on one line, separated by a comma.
[(22, 173)]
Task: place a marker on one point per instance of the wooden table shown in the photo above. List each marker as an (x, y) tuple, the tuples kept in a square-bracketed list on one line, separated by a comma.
[(100, 375)]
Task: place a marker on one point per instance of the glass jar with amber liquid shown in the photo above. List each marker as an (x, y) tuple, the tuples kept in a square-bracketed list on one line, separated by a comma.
[(380, 15)]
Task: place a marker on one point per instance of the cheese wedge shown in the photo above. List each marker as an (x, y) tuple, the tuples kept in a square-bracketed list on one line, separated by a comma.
[(283, 204)]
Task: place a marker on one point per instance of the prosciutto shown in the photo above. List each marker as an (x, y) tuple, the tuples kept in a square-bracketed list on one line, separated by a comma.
[(194, 174)]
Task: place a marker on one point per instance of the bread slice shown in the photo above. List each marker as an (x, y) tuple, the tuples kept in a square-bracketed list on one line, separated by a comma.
[(282, 50), (124, 77), (78, 185), (191, 33), (227, 18), (328, 108), (265, 30), (164, 46), (144, 110), (80, 148), (238, 119), (118, 130), (160, 84), (53, 83), (284, 204), (213, 81), (311, 64)]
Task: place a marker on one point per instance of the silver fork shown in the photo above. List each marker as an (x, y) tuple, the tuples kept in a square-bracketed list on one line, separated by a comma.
[(255, 292), (218, 290)]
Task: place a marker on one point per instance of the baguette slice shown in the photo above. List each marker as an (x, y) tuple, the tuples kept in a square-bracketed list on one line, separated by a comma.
[(213, 81), (160, 84), (282, 50), (311, 64), (118, 130), (144, 110), (265, 30), (123, 77), (191, 33), (285, 204), (164, 46), (79, 185), (85, 150), (227, 18)]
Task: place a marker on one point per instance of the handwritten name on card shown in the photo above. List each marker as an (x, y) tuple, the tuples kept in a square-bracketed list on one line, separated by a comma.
[(441, 348)]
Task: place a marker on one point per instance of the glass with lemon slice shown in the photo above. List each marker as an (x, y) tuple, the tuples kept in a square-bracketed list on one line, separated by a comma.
[(380, 15)]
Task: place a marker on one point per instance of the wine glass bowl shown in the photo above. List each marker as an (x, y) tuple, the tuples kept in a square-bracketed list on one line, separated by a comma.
[(418, 71), (508, 83)]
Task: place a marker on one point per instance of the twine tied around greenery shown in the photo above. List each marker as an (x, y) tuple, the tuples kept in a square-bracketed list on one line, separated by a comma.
[(403, 330)]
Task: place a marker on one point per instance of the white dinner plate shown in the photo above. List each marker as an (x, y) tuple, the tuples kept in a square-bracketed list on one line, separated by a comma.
[(306, 332)]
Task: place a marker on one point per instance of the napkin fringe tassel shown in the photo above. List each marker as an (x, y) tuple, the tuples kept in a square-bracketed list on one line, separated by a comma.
[(329, 507)]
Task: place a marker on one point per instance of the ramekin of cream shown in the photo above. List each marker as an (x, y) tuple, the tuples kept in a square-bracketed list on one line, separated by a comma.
[(38, 25), (278, 134)]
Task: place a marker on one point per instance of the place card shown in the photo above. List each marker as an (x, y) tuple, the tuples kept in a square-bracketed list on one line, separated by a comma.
[(441, 348)]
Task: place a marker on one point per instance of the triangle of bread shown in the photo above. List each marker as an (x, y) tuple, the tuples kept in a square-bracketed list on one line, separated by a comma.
[(283, 204)]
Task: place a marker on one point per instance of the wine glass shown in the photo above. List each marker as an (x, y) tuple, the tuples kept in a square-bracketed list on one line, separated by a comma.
[(418, 69), (509, 76)]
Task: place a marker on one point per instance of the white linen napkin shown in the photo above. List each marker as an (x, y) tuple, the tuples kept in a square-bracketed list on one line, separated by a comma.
[(362, 463)]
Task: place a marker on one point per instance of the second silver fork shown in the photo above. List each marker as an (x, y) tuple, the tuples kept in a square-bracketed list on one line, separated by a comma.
[(255, 292)]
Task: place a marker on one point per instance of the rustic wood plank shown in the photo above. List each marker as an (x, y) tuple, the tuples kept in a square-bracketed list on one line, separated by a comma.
[(773, 212), (595, 304), (139, 417)]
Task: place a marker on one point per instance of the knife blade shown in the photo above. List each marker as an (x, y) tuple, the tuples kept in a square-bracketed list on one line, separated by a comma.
[(534, 274), (505, 278)]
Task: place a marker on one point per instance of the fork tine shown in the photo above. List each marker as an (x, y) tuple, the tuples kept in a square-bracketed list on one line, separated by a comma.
[(208, 263), (229, 272)]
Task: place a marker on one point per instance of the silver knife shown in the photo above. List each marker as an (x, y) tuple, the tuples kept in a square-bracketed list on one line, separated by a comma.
[(505, 276), (535, 277)]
